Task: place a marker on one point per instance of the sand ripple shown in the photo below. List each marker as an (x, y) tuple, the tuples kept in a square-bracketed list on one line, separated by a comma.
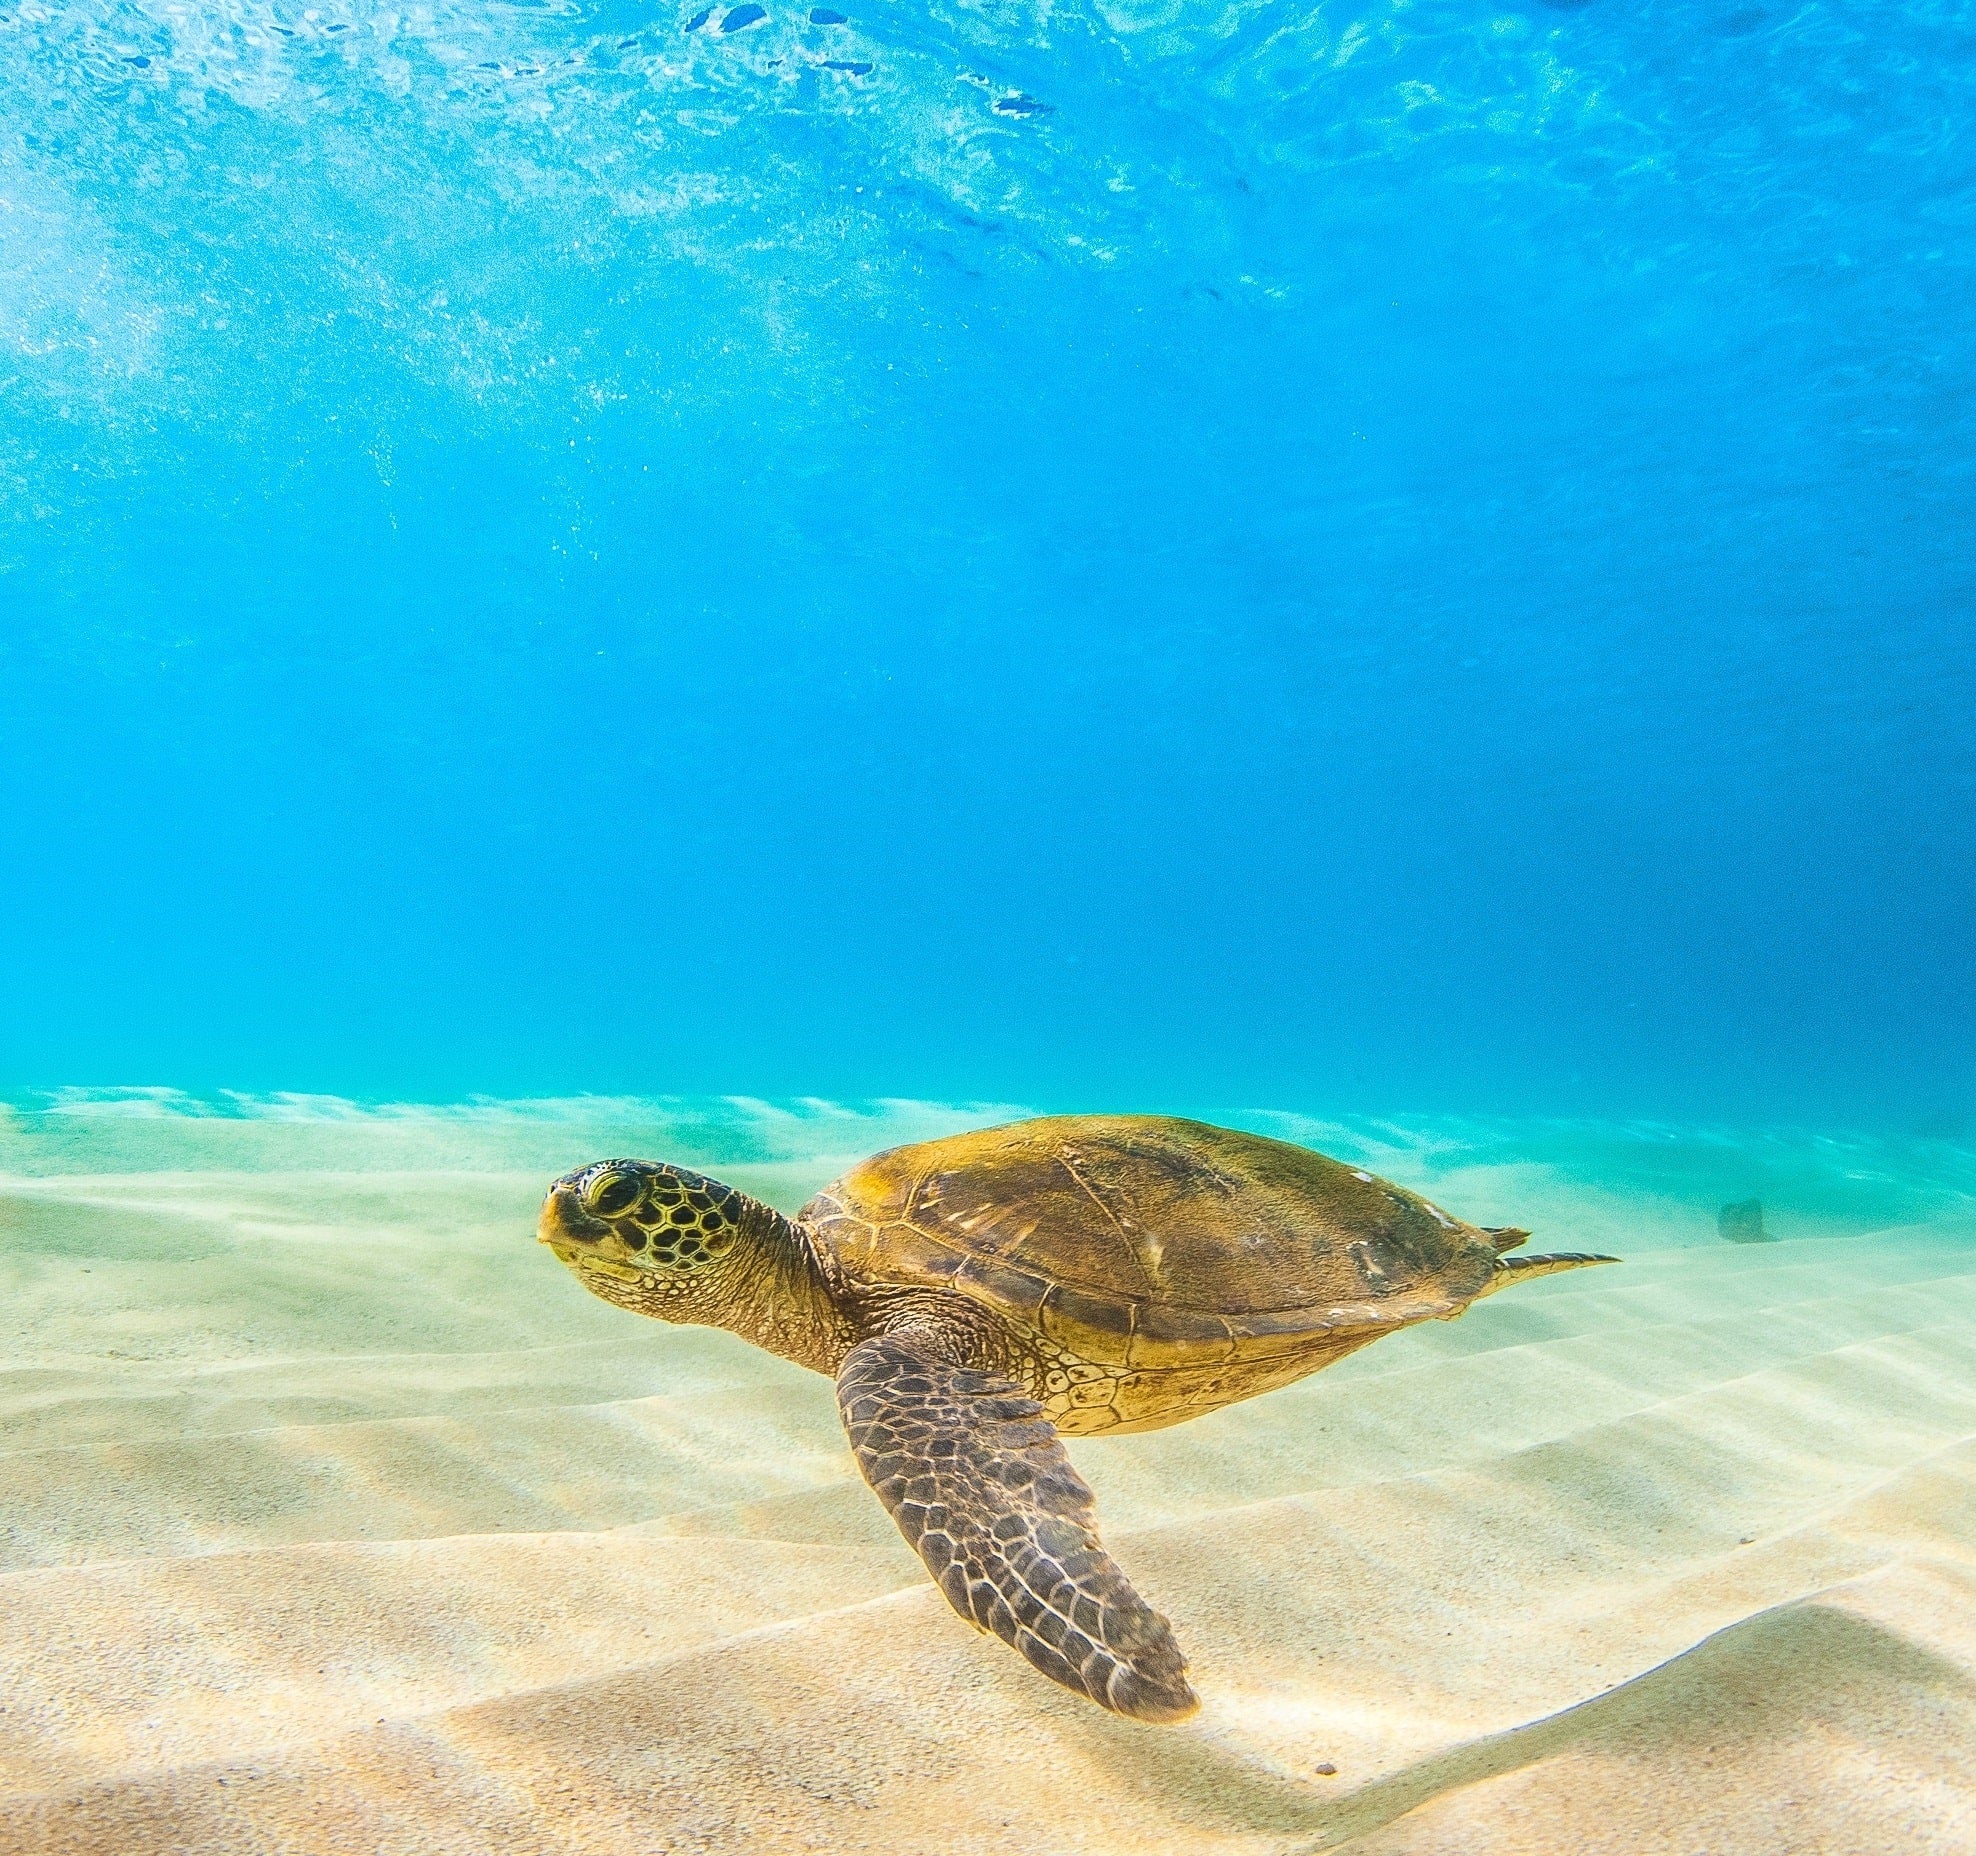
[(332, 1517)]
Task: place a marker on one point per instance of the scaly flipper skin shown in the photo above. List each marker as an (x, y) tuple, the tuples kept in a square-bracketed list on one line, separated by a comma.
[(979, 1484)]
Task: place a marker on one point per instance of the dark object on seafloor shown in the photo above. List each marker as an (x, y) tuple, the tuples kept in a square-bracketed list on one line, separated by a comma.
[(978, 1298), (1742, 1223)]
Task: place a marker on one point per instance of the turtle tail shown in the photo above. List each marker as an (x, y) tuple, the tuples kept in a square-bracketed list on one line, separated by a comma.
[(1521, 1269)]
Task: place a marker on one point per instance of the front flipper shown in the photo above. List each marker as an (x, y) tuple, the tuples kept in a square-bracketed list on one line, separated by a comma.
[(973, 1473)]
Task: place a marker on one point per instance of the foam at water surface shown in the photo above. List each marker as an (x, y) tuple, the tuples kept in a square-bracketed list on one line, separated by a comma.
[(208, 177)]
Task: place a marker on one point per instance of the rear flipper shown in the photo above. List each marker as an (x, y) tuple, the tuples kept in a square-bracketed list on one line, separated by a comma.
[(1521, 1269)]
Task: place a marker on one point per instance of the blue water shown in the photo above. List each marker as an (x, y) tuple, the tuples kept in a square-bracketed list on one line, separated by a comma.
[(1131, 555)]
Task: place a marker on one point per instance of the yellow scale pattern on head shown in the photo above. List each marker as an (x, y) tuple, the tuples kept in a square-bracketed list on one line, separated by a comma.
[(678, 1222)]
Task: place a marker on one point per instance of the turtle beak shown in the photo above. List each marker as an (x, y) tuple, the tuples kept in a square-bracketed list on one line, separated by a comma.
[(564, 1221)]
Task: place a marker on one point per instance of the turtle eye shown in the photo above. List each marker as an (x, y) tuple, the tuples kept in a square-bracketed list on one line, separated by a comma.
[(611, 1194)]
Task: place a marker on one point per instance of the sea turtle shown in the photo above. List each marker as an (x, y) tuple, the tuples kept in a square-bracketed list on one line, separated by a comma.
[(978, 1297)]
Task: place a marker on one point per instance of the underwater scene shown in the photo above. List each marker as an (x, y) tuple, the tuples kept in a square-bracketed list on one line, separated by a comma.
[(949, 926)]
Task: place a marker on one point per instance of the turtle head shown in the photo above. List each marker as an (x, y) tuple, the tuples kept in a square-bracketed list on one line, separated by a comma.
[(648, 1236)]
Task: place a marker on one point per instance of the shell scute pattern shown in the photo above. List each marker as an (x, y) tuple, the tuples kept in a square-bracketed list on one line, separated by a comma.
[(1178, 1265), (1149, 1243)]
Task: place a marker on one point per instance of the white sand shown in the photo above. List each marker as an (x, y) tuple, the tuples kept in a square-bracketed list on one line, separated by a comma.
[(335, 1517)]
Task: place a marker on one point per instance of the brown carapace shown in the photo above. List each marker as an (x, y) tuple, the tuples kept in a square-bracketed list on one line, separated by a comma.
[(978, 1298)]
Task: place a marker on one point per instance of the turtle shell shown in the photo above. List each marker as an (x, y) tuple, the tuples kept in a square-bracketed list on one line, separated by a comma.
[(1141, 1241)]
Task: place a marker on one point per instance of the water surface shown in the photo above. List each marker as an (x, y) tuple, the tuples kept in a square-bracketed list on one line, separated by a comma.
[(1410, 556)]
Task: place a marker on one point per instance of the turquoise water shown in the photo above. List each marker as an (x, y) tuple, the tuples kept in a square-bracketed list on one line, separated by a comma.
[(1130, 555)]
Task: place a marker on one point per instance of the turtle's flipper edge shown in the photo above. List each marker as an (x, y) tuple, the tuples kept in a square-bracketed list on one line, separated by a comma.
[(974, 1474)]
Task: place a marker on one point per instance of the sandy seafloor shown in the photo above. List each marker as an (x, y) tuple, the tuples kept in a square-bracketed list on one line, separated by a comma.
[(335, 1517)]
